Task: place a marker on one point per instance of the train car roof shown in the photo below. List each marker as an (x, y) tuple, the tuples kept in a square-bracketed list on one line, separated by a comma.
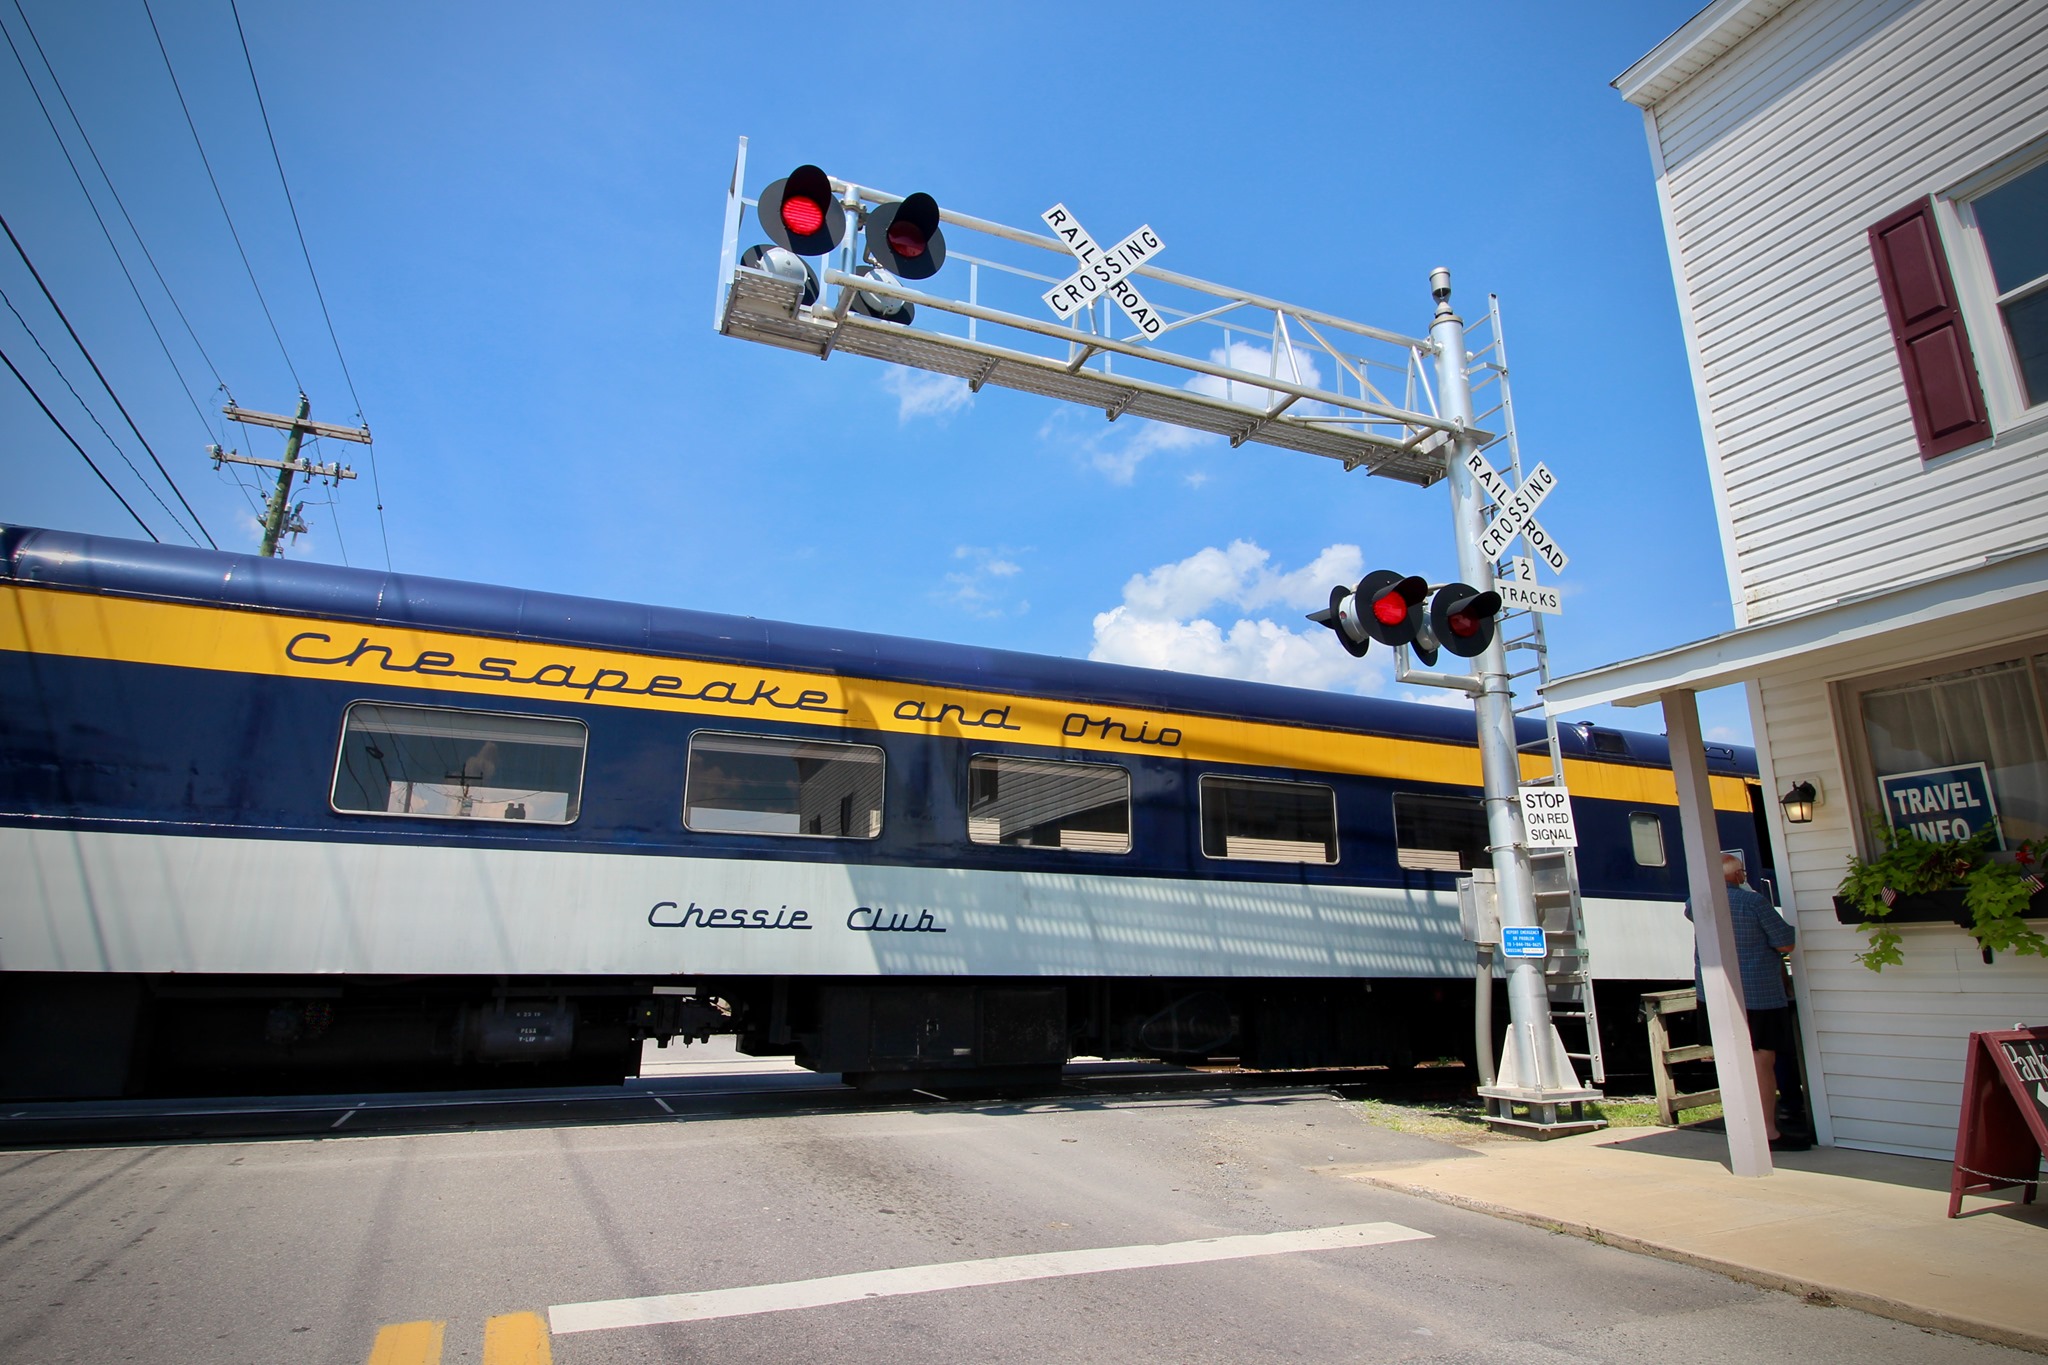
[(178, 573)]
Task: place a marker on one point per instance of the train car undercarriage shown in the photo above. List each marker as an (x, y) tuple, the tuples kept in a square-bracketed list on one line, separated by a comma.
[(71, 1036)]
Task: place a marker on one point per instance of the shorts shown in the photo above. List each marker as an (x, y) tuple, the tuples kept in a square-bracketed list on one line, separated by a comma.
[(1771, 1030)]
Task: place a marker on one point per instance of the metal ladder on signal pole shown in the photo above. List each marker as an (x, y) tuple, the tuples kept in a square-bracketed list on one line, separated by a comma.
[(1560, 908)]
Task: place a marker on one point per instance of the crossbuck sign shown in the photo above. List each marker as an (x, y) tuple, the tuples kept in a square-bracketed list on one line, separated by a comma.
[(1103, 272), (1515, 512)]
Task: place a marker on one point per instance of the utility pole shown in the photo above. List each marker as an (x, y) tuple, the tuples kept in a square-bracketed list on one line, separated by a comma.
[(279, 516)]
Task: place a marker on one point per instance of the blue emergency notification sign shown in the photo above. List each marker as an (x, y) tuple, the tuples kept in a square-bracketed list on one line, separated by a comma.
[(1521, 940), (1941, 804)]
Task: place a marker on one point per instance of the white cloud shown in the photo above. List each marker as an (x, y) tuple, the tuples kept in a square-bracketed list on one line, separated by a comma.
[(1439, 696), (981, 586), (1118, 451), (1293, 365), (920, 393), (1168, 619)]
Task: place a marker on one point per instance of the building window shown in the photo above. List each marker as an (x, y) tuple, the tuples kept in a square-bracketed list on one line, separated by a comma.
[(2011, 220), (1440, 833), (441, 764), (1957, 737), (1268, 822), (1030, 803), (764, 784), (1646, 837)]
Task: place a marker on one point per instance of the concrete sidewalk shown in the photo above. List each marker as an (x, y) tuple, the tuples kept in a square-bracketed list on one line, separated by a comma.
[(1862, 1229)]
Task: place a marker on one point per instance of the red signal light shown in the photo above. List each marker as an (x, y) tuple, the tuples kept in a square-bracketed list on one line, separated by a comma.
[(904, 237), (1462, 619), (802, 216), (800, 213), (1390, 608), (905, 240)]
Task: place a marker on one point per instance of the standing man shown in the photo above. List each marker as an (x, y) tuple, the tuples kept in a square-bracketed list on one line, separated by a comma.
[(1763, 940)]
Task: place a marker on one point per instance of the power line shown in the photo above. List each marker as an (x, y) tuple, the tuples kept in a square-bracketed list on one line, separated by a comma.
[(77, 447), (79, 342), (101, 220), (304, 250), (80, 400), (376, 484), (220, 198)]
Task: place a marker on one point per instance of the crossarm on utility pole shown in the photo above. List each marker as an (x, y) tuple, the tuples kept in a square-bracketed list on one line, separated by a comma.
[(360, 435)]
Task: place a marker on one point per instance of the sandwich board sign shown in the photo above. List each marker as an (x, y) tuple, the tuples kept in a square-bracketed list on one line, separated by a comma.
[(2002, 1128)]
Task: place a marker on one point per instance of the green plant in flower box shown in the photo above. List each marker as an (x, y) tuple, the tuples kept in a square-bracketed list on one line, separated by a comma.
[(1997, 892)]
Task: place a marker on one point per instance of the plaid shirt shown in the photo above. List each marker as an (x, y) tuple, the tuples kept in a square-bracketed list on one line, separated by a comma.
[(1760, 931)]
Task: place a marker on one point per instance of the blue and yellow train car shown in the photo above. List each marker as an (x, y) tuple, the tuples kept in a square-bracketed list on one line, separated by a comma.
[(270, 825)]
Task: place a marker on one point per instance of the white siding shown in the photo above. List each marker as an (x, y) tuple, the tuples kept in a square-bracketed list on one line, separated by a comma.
[(1886, 1047), (1777, 159)]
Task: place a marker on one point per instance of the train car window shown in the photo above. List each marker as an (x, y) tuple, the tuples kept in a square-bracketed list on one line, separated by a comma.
[(762, 784), (1268, 822), (459, 765), (1440, 833), (1030, 803), (1646, 833)]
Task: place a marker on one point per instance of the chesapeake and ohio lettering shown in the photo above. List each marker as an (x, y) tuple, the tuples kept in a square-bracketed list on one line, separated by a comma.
[(666, 915), (994, 718), (312, 647), (1080, 725), (586, 682)]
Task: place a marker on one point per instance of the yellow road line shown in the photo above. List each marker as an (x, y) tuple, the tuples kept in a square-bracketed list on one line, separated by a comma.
[(517, 1339), (408, 1343)]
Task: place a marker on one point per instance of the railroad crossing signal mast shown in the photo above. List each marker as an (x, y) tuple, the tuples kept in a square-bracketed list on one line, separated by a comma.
[(1395, 405)]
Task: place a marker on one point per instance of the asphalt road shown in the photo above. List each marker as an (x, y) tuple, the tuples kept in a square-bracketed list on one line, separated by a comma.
[(615, 1242)]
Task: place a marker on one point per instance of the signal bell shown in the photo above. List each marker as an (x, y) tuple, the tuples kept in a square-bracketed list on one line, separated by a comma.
[(784, 265), (801, 213), (886, 307), (904, 238), (1341, 616)]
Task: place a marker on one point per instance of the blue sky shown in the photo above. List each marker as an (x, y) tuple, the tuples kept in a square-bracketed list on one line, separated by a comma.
[(515, 216)]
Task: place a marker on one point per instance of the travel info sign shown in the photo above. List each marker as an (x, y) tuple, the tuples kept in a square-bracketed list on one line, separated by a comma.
[(1547, 819), (1941, 805)]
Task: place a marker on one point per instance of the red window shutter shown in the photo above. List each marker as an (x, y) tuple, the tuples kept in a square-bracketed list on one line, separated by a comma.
[(1927, 327)]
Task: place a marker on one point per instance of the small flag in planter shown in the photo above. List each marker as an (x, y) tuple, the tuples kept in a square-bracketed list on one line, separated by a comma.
[(2032, 883), (1888, 896)]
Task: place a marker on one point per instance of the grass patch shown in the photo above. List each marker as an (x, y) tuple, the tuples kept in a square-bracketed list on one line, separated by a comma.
[(1464, 1120)]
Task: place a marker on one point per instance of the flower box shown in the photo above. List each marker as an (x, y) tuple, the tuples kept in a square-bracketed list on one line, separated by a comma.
[(1933, 907)]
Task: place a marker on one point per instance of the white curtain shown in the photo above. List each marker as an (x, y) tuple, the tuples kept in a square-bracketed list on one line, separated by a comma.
[(1990, 715)]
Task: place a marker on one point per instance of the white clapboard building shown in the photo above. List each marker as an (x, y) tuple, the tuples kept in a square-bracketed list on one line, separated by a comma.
[(1855, 198)]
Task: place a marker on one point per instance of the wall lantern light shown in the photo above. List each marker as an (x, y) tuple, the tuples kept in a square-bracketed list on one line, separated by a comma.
[(1798, 803)]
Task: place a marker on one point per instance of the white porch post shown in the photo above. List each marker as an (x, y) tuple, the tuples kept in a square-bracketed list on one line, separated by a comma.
[(1749, 1149)]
